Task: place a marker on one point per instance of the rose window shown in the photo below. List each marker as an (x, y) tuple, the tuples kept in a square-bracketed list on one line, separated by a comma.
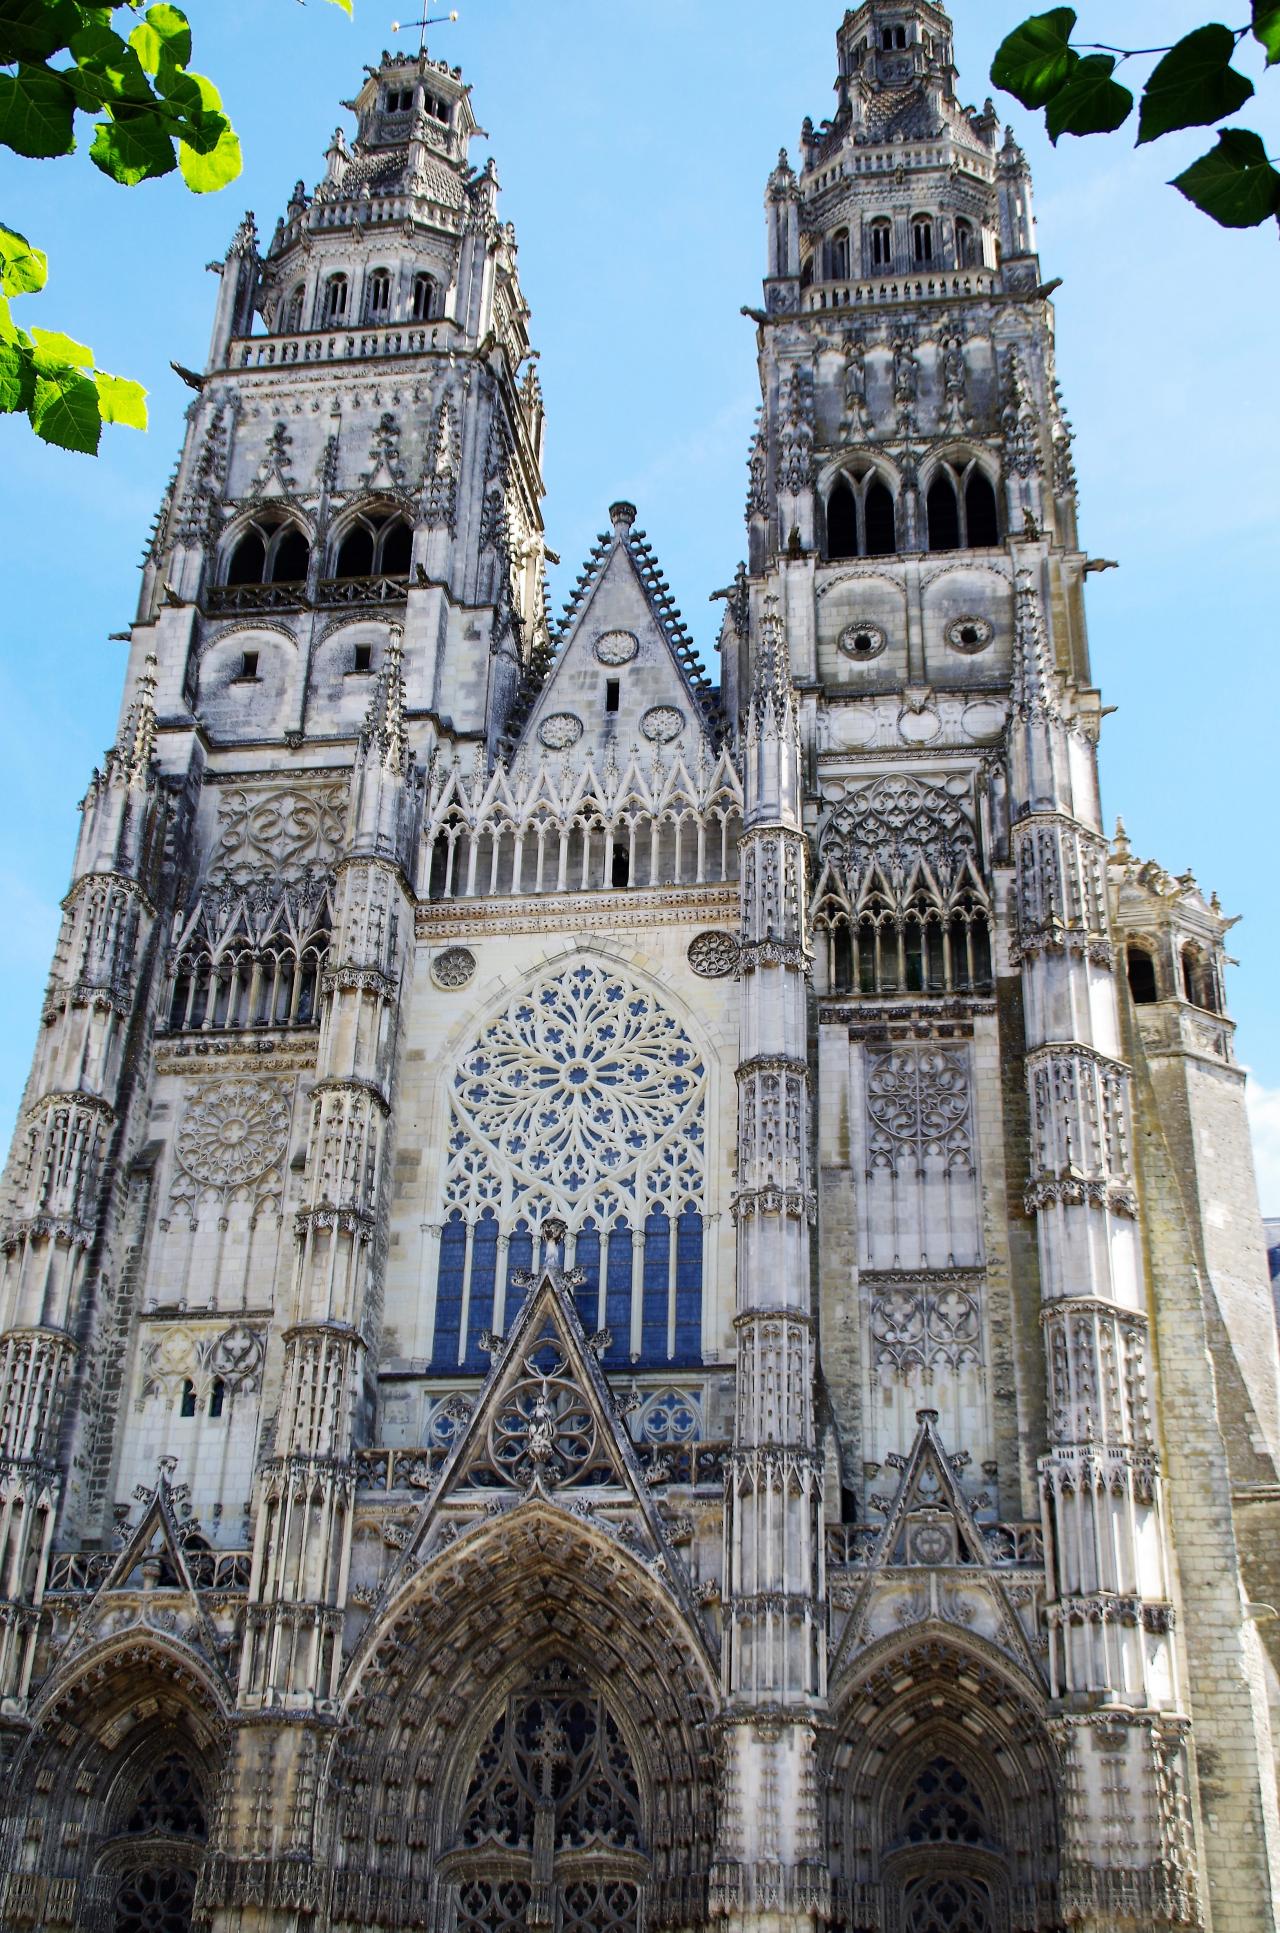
[(585, 1099)]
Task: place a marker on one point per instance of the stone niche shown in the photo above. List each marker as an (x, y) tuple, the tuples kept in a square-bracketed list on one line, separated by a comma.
[(862, 631), (967, 612)]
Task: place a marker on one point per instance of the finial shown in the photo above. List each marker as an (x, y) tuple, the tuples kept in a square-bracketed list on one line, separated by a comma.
[(1120, 844), (622, 516), (385, 725)]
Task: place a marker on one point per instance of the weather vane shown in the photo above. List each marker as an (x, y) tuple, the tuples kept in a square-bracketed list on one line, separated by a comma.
[(427, 20)]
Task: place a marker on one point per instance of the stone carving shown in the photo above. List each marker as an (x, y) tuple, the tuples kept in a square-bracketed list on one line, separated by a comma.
[(795, 436), (585, 1090), (714, 955), (270, 829), (970, 634), (453, 967), (662, 723), (918, 1109), (616, 647), (559, 730), (672, 1416), (922, 1325), (862, 641), (234, 1133), (896, 824), (180, 1353)]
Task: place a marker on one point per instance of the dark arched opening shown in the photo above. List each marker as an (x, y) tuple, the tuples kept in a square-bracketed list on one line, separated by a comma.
[(291, 558), (355, 553), (1141, 969), (842, 522), (944, 515), (879, 519), (397, 550), (980, 512), (248, 560)]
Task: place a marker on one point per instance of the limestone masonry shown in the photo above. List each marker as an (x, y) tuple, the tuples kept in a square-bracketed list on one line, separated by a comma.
[(633, 1298)]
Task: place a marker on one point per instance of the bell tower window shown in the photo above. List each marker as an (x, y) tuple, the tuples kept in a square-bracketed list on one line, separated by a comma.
[(839, 247), (291, 314), (922, 238), (961, 508), (424, 293), (377, 296), (881, 244), (966, 250), (842, 522), (334, 307)]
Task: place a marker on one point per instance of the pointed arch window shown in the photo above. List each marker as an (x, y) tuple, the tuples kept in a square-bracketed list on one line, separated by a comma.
[(377, 296), (334, 301), (922, 239), (839, 255), (861, 516), (375, 544), (291, 313), (269, 552), (966, 244), (155, 1886), (961, 508), (880, 233), (424, 298)]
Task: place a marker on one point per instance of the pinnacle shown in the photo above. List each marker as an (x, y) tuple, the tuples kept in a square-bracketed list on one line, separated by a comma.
[(385, 725)]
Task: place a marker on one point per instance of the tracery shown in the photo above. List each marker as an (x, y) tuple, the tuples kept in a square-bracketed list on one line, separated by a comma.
[(585, 1099)]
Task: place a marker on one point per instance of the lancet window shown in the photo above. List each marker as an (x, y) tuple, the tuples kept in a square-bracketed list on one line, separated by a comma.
[(861, 518), (922, 239), (333, 301), (654, 824), (966, 244), (901, 906), (251, 960), (423, 303), (551, 1831), (584, 1099), (375, 544), (881, 240), (377, 296), (1199, 984), (269, 551), (961, 508)]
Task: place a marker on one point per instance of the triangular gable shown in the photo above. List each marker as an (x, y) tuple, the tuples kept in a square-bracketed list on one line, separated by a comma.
[(547, 1425), (157, 1539), (622, 628), (930, 1526)]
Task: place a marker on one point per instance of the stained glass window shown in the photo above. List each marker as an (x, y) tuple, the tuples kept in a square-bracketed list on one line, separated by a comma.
[(585, 1099)]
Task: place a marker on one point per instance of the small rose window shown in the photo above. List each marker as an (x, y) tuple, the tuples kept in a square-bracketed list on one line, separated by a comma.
[(862, 642)]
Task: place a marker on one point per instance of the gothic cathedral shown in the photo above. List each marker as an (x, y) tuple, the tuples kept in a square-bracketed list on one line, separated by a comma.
[(632, 1297)]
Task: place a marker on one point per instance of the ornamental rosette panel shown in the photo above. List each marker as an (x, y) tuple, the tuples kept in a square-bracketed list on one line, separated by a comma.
[(585, 1095)]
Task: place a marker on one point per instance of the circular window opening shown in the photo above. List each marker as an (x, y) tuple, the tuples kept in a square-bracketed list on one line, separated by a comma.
[(862, 641), (970, 633)]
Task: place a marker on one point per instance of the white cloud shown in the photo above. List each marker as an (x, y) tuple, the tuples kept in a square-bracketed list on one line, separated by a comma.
[(1264, 1119)]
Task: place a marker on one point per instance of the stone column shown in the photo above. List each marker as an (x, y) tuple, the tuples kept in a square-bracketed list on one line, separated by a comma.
[(1112, 1661), (58, 1169), (770, 1872)]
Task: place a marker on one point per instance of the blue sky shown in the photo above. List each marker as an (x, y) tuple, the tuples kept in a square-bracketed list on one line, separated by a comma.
[(633, 146)]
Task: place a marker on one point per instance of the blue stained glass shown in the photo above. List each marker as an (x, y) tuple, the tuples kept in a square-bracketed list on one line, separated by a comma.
[(617, 1307), (484, 1269), (453, 1262), (653, 1331), (689, 1286), (586, 1255), (519, 1256)]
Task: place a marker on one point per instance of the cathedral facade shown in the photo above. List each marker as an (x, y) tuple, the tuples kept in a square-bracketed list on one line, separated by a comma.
[(632, 1298)]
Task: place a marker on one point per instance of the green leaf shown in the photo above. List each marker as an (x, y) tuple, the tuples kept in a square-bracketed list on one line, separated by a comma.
[(1035, 60), (8, 329), (164, 34), (1234, 182), (107, 70), (1266, 27), (131, 151), (1195, 83), (54, 352), (205, 172), (34, 29), (37, 109), (120, 400), (17, 378), (192, 94), (64, 410), (23, 269), (1091, 102)]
